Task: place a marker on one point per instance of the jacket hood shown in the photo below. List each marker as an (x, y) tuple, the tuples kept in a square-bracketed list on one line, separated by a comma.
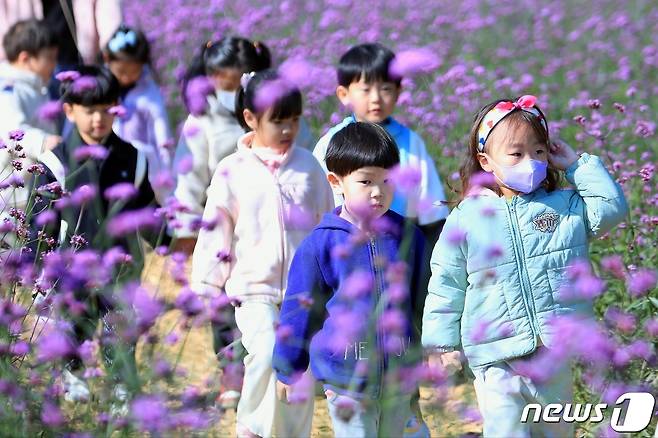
[(10, 73)]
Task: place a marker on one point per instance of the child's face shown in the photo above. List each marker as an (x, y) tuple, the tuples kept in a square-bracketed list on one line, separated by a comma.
[(93, 122), (226, 79), (44, 63), (126, 72), (273, 133), (509, 144), (367, 191), (371, 102)]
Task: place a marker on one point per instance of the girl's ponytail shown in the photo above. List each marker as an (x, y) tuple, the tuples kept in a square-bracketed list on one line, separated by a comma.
[(195, 69)]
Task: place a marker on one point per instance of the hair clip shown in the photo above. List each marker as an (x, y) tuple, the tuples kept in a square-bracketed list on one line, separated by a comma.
[(67, 76), (257, 46), (246, 77), (209, 44), (121, 40)]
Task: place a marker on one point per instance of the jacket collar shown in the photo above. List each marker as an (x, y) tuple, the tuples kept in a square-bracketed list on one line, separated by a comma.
[(244, 146)]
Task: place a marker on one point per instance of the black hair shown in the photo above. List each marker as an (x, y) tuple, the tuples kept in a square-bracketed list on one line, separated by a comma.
[(29, 36), (274, 92), (361, 144), (96, 85), (370, 61), (128, 44), (228, 52)]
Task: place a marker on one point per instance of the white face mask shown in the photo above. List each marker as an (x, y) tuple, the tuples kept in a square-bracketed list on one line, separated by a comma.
[(227, 99), (524, 177)]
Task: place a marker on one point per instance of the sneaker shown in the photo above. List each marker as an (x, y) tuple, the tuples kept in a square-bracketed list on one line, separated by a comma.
[(416, 429), (75, 389), (228, 400), (119, 406)]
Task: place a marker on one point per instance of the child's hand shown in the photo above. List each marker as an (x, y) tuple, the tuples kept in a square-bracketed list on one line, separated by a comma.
[(185, 245), (282, 391), (449, 361), (561, 155), (51, 142)]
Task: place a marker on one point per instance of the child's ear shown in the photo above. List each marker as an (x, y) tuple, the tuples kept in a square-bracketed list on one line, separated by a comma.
[(335, 183), (250, 119), (484, 163), (342, 95), (68, 112), (23, 57), (106, 57)]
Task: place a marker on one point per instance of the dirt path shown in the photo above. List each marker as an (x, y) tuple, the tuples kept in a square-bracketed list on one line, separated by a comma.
[(200, 368)]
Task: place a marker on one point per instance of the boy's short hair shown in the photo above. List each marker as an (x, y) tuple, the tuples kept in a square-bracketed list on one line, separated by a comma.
[(370, 61), (358, 145), (95, 86), (29, 36)]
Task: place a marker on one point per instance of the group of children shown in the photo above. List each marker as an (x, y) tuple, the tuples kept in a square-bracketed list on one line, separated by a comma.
[(324, 256)]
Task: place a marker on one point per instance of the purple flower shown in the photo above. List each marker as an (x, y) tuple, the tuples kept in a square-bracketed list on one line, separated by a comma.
[(118, 111), (83, 194), (413, 61), (191, 129), (84, 83), (358, 284), (16, 134), (54, 345), (132, 221), (189, 303), (147, 309), (405, 179), (185, 165), (283, 332), (68, 75), (270, 92), (196, 94), (47, 217), (120, 192), (613, 264), (589, 286), (651, 327), (50, 111), (94, 152), (641, 282), (456, 236), (297, 71), (150, 413), (51, 415), (393, 321)]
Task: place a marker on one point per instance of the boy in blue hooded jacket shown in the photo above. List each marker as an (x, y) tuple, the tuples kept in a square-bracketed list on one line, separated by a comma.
[(353, 288)]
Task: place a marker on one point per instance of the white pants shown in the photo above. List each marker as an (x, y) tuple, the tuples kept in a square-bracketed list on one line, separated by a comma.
[(369, 417), (502, 394), (259, 410)]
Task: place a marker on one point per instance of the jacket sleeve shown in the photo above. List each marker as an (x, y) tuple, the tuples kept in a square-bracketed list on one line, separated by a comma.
[(326, 195), (160, 130), (297, 318), (210, 269), (605, 203), (446, 291), (431, 188), (191, 186), (319, 152)]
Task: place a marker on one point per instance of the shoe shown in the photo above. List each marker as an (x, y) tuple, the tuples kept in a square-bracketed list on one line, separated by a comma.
[(75, 389), (416, 429), (228, 400), (119, 406)]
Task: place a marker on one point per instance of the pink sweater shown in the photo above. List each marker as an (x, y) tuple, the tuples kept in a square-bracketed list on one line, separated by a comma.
[(262, 218), (95, 22)]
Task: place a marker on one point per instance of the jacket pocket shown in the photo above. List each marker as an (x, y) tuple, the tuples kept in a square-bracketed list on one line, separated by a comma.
[(557, 281), (486, 315)]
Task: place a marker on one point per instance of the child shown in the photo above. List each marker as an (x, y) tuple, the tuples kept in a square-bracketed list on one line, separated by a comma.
[(366, 87), (145, 124), (217, 128), (359, 158), (31, 51), (212, 134), (88, 95), (498, 265), (262, 201)]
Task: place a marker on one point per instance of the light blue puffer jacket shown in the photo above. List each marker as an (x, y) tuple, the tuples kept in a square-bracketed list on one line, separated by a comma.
[(498, 265)]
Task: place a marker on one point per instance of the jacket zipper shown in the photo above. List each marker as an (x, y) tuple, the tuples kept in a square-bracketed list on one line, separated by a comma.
[(380, 346), (520, 263), (281, 231)]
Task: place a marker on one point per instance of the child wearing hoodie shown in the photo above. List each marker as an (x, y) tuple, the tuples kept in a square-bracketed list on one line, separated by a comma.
[(353, 287), (262, 201)]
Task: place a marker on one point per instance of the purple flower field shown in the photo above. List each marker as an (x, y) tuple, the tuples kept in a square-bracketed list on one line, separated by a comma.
[(594, 69)]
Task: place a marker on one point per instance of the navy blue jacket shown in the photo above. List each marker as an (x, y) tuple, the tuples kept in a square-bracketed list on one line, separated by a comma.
[(330, 320)]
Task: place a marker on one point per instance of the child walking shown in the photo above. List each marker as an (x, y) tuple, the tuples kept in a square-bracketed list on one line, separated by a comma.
[(359, 363), (503, 253), (262, 201), (145, 123)]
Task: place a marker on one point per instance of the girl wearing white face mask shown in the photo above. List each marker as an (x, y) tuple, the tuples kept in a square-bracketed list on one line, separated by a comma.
[(499, 268)]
